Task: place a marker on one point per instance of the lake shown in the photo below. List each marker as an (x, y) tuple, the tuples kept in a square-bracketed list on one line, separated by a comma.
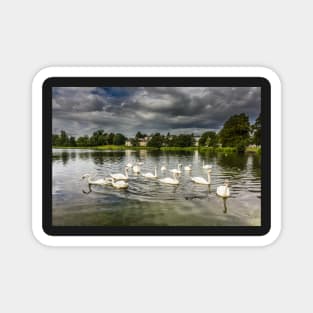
[(147, 201)]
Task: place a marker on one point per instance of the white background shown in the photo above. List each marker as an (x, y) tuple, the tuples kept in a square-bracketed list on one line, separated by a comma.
[(36, 34)]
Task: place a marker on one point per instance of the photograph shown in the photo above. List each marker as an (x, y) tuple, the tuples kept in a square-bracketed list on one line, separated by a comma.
[(156, 156)]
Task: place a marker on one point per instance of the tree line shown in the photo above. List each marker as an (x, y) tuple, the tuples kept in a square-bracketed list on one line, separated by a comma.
[(236, 132), (98, 138)]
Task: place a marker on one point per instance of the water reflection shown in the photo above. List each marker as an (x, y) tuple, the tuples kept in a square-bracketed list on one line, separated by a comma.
[(149, 202), (233, 161)]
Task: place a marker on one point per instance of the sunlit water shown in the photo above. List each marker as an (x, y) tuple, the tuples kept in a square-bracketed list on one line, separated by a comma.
[(149, 202)]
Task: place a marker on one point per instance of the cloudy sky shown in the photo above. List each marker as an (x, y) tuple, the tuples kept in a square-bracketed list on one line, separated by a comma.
[(83, 110)]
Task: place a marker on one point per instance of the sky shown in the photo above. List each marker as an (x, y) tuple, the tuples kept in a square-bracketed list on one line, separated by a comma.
[(83, 110)]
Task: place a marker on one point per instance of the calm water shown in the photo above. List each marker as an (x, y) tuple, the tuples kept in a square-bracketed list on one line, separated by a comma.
[(149, 202)]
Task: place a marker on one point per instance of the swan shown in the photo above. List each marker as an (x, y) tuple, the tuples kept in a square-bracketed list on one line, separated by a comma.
[(169, 180), (151, 175), (92, 181), (163, 168), (206, 166), (120, 184), (201, 180), (177, 170), (140, 163), (188, 167), (223, 191), (136, 168), (119, 176), (129, 165)]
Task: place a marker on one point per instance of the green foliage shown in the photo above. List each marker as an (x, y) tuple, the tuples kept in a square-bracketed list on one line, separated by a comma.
[(72, 141), (134, 142), (62, 139), (119, 139), (218, 149), (156, 141), (256, 131), (139, 135), (241, 146), (208, 139), (183, 141), (235, 132), (83, 141), (179, 148)]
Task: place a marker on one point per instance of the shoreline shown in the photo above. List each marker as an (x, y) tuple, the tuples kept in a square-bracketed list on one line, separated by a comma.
[(200, 149)]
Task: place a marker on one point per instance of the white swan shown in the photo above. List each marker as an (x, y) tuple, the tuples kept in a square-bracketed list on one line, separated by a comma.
[(120, 184), (93, 181), (136, 169), (206, 166), (163, 168), (151, 175), (177, 170), (169, 180), (140, 163), (119, 176), (188, 167), (129, 165), (223, 191), (201, 180)]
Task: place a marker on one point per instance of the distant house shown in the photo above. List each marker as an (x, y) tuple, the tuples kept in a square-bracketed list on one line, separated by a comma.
[(143, 141)]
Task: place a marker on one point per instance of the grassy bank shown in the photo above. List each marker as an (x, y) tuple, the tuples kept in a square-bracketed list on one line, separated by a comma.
[(179, 148), (107, 147), (218, 149), (201, 149), (254, 150)]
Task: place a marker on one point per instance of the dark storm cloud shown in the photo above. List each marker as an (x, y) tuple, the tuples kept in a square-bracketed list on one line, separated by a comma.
[(82, 110)]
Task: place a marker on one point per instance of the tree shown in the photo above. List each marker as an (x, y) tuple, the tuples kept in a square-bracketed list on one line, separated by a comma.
[(208, 139), (72, 141), (235, 132), (139, 135), (155, 141), (64, 140), (110, 139), (83, 141), (256, 131), (55, 140), (119, 139), (184, 140), (134, 142), (167, 140)]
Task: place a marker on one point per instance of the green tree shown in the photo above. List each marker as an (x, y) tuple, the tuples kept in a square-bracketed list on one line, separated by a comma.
[(134, 142), (83, 141), (208, 139), (256, 131), (167, 140), (55, 140), (110, 138), (235, 132), (184, 140), (139, 135), (72, 141), (119, 139), (155, 141), (64, 140)]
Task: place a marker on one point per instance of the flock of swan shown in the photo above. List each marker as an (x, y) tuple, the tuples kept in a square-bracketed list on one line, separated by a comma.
[(119, 180)]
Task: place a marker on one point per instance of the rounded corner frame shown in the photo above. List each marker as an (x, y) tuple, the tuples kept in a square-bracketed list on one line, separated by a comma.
[(268, 238)]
